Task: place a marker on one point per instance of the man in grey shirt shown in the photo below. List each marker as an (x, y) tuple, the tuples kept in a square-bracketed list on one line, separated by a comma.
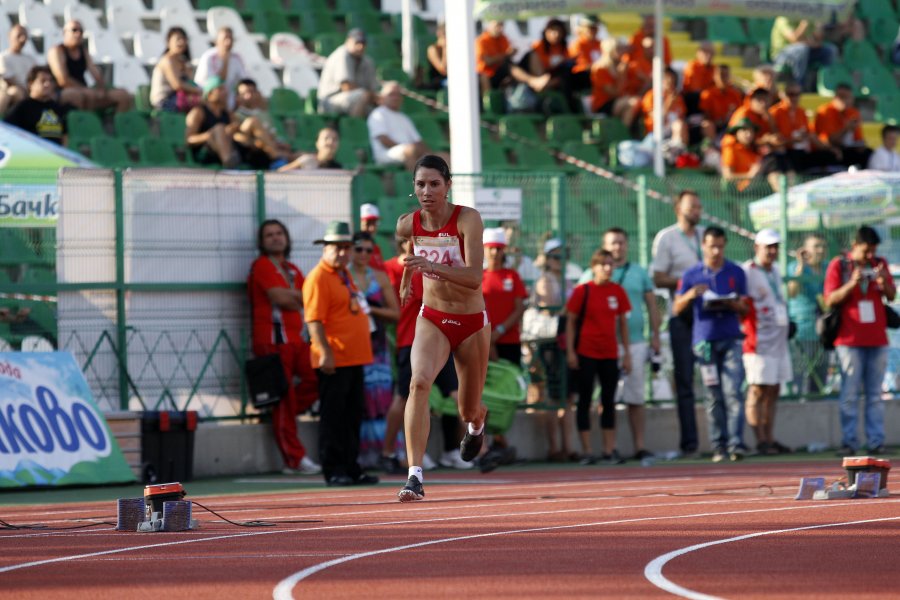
[(675, 249), (348, 84)]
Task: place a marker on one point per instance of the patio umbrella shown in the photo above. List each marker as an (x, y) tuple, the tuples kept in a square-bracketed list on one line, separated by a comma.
[(843, 199)]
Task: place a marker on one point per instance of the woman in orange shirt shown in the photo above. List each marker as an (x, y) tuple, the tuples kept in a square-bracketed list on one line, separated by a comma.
[(550, 54), (585, 51), (609, 81), (674, 110)]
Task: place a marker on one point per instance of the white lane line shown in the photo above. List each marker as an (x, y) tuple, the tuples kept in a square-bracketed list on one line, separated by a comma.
[(653, 570), (284, 589)]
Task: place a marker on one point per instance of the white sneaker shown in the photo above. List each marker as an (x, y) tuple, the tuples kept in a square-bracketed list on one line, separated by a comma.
[(307, 467), (452, 459), (428, 463)]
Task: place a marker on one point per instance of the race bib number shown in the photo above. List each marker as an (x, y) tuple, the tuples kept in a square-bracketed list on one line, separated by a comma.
[(781, 315), (866, 311), (441, 251), (710, 375)]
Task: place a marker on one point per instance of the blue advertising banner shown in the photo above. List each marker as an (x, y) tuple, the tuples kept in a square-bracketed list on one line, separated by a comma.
[(51, 431)]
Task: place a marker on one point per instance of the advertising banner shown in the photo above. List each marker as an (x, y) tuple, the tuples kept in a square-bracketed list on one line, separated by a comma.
[(51, 431)]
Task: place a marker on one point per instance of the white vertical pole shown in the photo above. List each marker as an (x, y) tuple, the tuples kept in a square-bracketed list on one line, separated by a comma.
[(462, 88), (408, 41), (659, 165)]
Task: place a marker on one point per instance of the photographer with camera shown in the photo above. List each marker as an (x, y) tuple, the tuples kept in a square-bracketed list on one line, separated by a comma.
[(858, 282), (805, 301)]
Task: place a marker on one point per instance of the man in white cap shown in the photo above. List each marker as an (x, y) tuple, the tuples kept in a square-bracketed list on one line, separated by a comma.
[(767, 360), (369, 216)]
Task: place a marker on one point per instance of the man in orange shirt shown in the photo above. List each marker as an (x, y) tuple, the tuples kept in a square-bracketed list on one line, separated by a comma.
[(741, 163), (337, 317), (674, 110), (804, 149), (647, 30), (585, 51), (493, 61), (640, 66), (837, 125), (719, 101), (698, 76)]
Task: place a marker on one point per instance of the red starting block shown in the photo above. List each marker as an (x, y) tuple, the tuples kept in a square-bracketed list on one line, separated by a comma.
[(867, 464)]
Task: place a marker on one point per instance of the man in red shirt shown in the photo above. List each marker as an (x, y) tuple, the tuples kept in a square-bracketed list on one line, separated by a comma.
[(369, 217), (858, 283), (276, 301), (592, 350)]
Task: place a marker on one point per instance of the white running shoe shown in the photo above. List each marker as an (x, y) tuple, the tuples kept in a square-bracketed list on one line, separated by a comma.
[(428, 463), (453, 460), (307, 467)]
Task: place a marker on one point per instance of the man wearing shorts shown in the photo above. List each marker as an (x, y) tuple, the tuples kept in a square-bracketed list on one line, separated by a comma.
[(767, 359), (639, 288)]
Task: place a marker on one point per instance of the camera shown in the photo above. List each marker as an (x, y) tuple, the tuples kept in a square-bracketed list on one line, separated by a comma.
[(868, 273)]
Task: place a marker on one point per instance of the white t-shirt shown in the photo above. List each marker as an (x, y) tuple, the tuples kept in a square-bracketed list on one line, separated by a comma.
[(883, 159), (674, 252), (395, 125), (15, 67), (210, 64), (769, 310)]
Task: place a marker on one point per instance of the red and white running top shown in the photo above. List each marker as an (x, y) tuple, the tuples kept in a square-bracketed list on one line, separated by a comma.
[(442, 246)]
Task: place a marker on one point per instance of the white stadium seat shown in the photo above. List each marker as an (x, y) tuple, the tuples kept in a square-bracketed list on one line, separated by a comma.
[(287, 49), (125, 17), (105, 46), (37, 18), (301, 78), (57, 7), (264, 76), (88, 17), (128, 73), (222, 16), (149, 46), (176, 17), (11, 7)]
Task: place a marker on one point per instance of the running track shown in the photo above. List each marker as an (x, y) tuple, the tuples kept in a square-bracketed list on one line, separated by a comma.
[(698, 531)]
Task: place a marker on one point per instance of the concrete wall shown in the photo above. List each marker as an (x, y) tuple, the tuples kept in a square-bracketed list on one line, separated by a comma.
[(233, 449)]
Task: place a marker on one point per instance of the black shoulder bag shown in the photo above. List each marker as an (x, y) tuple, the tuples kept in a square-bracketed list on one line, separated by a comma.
[(829, 323)]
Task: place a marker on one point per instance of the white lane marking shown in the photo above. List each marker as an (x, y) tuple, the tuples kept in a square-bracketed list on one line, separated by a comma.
[(284, 589), (653, 570)]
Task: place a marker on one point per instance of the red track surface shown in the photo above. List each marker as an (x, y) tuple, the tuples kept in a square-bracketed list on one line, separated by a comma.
[(511, 534)]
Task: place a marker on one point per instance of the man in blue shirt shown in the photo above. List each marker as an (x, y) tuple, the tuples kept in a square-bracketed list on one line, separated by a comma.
[(716, 291)]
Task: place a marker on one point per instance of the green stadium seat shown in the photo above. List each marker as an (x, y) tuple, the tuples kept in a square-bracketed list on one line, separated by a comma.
[(759, 31), (326, 42), (306, 129), (82, 125), (876, 81), (156, 152), (130, 126), (521, 125), (367, 186), (494, 104), (888, 109), (142, 100), (208, 4), (412, 107), (403, 183), (393, 73), (883, 32), (535, 159), (726, 29), (382, 48), (586, 152), (348, 156), (15, 249), (172, 128), (251, 8), (875, 10), (859, 54), (270, 22), (609, 132), (355, 6), (431, 131), (829, 77), (564, 128), (109, 152), (369, 22), (493, 157), (553, 102), (310, 103), (353, 130), (285, 102), (299, 7)]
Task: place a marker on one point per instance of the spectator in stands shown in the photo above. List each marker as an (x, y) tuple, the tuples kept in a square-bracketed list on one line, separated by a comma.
[(393, 136), (550, 296), (640, 66), (805, 303), (493, 62), (369, 217), (222, 62), (798, 45), (339, 332), (253, 109), (767, 359), (859, 283), (436, 53), (327, 143), (756, 110), (14, 68), (675, 129), (838, 125), (348, 85), (379, 301), (715, 290), (885, 157), (805, 151), (210, 128), (698, 76), (276, 302), (171, 85), (648, 31), (69, 63), (718, 102), (610, 82), (636, 283), (585, 51), (550, 55), (592, 315), (742, 164), (675, 249), (40, 113), (763, 77)]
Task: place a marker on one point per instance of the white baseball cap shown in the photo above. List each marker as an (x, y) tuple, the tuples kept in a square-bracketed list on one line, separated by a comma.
[(767, 237), (494, 237), (369, 211), (551, 245)]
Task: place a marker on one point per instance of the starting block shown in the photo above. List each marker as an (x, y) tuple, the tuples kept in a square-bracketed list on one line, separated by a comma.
[(866, 478), (162, 508)]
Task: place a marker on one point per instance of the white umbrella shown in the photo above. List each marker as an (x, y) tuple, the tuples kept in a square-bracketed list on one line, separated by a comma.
[(843, 199)]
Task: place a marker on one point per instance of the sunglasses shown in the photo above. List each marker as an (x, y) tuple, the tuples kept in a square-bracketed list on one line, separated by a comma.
[(76, 30), (363, 249), (554, 256)]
